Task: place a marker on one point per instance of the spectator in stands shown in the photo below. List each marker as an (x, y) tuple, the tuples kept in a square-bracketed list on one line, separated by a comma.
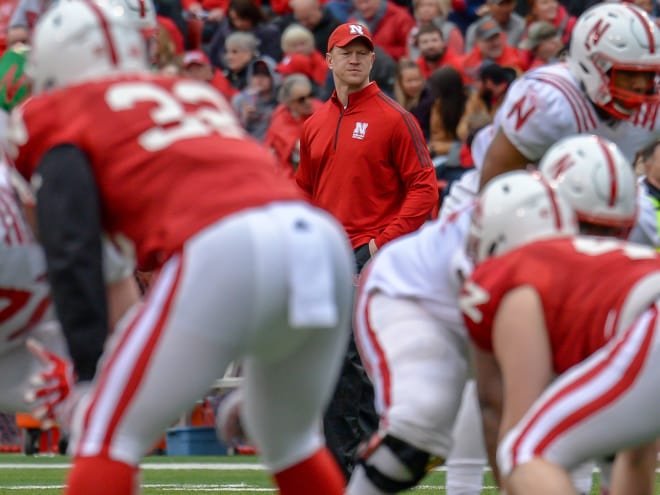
[(298, 40), (314, 16), (245, 16), (449, 101), (300, 64), (256, 103), (411, 92), (465, 12), (553, 12), (7, 8), (434, 52), (433, 12), (212, 10), (297, 103), (240, 50), (493, 82), (173, 32), (17, 35), (502, 12), (389, 23), (202, 19), (542, 44), (647, 228), (167, 45), (491, 46), (196, 65)]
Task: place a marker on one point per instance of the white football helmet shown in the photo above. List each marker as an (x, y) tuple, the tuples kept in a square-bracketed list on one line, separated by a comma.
[(596, 179), (139, 13), (609, 37), (77, 40), (516, 208)]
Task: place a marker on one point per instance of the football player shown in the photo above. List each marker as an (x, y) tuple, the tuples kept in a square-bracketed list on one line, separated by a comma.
[(590, 339), (608, 87), (412, 338), (246, 268)]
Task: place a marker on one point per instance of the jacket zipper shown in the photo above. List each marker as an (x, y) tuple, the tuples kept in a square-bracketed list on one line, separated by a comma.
[(341, 116)]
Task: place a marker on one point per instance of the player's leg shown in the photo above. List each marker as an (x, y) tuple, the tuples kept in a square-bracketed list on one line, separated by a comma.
[(419, 369), (467, 459), (295, 352), (539, 476), (586, 412), (181, 339), (634, 471)]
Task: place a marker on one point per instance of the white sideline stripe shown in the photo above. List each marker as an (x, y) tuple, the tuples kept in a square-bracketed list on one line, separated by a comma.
[(180, 466)]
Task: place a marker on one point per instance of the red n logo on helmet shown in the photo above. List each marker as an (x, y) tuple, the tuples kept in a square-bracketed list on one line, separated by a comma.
[(561, 166), (522, 114), (596, 33)]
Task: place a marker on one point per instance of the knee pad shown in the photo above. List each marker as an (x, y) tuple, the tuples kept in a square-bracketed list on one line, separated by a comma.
[(393, 465)]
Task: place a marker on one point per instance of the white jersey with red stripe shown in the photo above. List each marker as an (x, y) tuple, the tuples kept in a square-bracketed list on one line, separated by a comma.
[(24, 290), (548, 104), (427, 266), (410, 334)]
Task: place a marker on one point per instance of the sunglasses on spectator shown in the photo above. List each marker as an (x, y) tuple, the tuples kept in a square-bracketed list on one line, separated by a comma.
[(302, 99)]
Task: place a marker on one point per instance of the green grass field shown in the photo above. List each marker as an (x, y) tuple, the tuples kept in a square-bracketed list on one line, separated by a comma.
[(239, 475)]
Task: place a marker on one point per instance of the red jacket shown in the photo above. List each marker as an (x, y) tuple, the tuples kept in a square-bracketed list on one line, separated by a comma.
[(448, 58), (391, 33), (283, 134), (222, 84), (368, 165), (471, 63)]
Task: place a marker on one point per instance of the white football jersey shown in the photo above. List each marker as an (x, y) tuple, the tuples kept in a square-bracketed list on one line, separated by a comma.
[(24, 290), (547, 104), (428, 265)]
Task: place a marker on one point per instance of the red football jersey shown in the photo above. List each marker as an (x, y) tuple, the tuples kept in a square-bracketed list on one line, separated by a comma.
[(168, 156), (590, 289)]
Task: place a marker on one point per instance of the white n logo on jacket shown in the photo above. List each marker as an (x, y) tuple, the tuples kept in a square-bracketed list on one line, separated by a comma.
[(360, 130)]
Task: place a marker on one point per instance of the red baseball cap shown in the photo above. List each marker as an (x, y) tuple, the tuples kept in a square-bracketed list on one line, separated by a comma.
[(295, 63), (345, 33), (195, 57)]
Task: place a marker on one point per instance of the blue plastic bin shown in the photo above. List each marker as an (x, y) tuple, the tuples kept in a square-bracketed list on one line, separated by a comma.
[(194, 440)]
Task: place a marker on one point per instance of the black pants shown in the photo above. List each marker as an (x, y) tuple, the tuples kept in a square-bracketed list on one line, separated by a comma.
[(350, 417)]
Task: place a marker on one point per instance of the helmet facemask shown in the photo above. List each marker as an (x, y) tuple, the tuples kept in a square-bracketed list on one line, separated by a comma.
[(622, 103)]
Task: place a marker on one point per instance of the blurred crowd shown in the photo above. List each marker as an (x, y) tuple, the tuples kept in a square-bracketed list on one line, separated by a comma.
[(449, 62)]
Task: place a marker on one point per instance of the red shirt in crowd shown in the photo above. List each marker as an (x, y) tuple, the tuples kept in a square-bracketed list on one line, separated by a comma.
[(471, 62), (448, 58), (368, 165), (391, 33), (284, 133)]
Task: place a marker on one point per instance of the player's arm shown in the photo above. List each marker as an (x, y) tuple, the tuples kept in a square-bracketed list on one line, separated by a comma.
[(502, 156), (489, 391), (523, 353), (410, 156), (68, 214)]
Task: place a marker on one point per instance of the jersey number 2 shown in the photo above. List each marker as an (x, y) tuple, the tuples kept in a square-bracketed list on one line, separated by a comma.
[(173, 120)]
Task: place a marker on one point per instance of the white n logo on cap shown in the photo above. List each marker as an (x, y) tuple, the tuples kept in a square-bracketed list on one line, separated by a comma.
[(355, 29)]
